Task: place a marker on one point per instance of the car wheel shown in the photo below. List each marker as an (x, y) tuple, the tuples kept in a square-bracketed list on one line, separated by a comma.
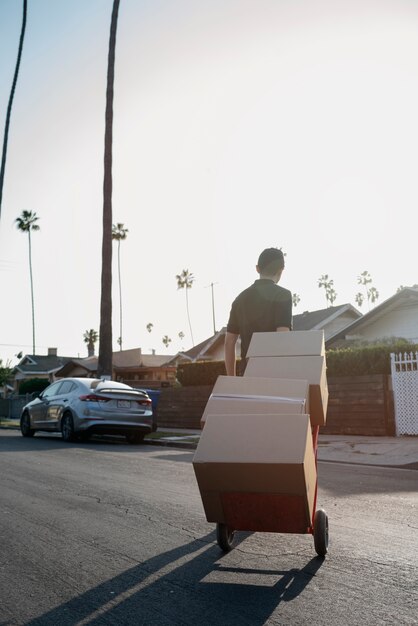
[(25, 428), (67, 427), (135, 438)]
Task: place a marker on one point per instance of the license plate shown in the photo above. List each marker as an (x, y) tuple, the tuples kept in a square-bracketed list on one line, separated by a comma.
[(124, 404)]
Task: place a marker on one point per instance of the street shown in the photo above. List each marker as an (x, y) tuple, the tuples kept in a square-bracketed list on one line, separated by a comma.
[(110, 533)]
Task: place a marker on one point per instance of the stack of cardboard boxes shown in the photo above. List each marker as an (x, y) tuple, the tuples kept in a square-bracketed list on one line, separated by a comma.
[(255, 461)]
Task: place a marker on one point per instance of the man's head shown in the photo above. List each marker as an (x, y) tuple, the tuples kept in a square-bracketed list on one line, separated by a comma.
[(271, 264)]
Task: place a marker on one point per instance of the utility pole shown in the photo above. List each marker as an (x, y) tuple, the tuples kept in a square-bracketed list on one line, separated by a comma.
[(213, 306)]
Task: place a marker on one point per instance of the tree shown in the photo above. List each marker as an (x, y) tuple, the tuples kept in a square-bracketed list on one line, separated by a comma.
[(185, 281), (119, 233), (150, 326), (26, 223), (11, 98), (90, 337), (371, 292), (328, 285), (5, 373), (181, 335), (104, 366), (166, 340)]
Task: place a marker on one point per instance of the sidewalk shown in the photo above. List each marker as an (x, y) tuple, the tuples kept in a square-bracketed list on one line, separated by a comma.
[(383, 451), (387, 451)]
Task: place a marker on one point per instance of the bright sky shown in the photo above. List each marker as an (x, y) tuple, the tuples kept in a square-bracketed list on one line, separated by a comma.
[(239, 125)]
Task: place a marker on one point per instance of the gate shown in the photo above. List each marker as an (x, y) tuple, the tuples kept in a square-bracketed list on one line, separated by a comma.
[(405, 392)]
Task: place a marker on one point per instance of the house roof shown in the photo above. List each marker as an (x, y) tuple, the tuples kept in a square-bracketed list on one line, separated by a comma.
[(407, 295), (199, 351), (40, 364), (123, 359), (315, 320), (89, 364)]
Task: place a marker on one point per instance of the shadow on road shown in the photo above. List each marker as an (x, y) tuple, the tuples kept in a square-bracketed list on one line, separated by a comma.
[(149, 594)]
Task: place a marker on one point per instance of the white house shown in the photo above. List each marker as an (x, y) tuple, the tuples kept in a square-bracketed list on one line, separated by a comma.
[(396, 318)]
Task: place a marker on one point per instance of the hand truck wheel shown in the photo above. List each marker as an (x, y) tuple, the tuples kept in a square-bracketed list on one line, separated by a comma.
[(225, 537), (321, 534)]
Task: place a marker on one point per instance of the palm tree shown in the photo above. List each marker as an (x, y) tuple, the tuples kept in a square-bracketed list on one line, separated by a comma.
[(185, 281), (371, 292), (104, 366), (150, 326), (166, 340), (11, 97), (295, 299), (90, 337), (119, 233), (328, 285), (26, 223)]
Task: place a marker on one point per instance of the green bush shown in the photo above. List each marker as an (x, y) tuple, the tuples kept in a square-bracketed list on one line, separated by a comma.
[(203, 373), (355, 361), (365, 360), (33, 384)]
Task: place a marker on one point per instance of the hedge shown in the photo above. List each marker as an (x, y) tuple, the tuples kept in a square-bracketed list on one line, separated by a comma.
[(33, 384), (355, 361)]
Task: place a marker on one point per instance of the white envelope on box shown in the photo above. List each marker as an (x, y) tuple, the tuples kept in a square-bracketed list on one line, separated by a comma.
[(258, 405), (257, 386), (256, 395)]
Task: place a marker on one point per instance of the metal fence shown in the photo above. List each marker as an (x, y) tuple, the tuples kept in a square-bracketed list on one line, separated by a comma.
[(404, 368), (11, 408)]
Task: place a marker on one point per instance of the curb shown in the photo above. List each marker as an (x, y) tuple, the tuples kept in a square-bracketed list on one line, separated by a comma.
[(185, 445)]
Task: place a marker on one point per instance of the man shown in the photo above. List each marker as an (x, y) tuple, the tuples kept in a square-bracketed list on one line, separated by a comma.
[(263, 307)]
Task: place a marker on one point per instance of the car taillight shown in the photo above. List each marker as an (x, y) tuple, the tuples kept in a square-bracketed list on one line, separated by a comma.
[(144, 402), (91, 397)]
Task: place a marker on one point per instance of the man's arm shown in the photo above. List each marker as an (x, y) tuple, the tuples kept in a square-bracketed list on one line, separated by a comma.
[(230, 360)]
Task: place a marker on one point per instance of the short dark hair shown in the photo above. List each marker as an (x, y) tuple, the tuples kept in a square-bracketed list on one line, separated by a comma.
[(271, 260)]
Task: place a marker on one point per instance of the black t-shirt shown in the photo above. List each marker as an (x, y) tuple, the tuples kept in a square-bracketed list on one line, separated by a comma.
[(263, 307)]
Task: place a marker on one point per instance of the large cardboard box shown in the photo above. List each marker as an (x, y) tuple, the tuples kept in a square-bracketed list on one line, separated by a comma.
[(310, 368), (257, 472), (235, 394), (251, 406), (295, 343)]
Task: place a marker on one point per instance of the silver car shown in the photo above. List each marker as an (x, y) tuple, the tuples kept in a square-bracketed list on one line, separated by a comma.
[(80, 407)]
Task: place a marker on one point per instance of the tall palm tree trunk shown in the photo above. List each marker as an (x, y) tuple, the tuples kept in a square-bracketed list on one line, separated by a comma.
[(188, 316), (104, 367), (31, 293), (11, 97), (120, 298)]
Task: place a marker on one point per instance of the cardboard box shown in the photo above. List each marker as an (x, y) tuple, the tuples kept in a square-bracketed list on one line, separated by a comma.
[(257, 472), (235, 394), (294, 343), (291, 388), (252, 406), (310, 368)]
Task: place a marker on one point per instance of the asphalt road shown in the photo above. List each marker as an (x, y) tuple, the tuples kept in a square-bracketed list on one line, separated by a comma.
[(108, 533)]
